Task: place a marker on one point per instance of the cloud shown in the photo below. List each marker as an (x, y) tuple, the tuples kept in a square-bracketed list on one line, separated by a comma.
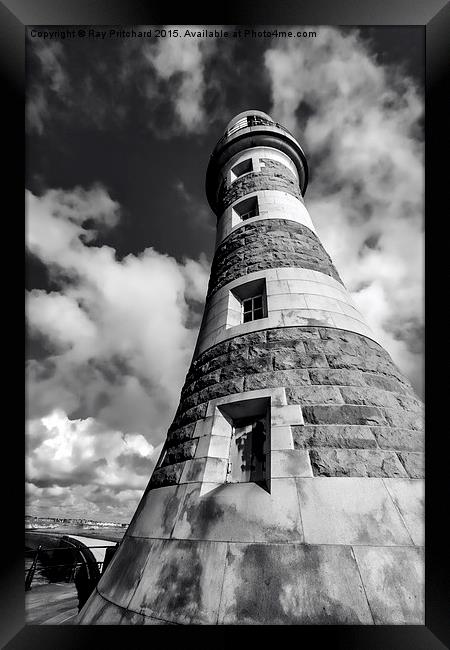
[(52, 83), (63, 452), (120, 335), (169, 77), (180, 65), (82, 501), (360, 124)]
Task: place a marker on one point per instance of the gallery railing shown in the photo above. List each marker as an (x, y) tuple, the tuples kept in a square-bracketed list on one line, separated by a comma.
[(246, 123), (42, 561)]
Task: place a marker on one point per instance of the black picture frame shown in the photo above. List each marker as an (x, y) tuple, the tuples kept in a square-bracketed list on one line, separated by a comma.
[(434, 17)]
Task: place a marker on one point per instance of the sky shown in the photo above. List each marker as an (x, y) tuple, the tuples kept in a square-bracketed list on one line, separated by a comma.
[(120, 236)]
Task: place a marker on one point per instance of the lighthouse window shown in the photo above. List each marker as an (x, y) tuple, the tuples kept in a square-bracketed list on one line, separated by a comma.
[(253, 308), (250, 299), (247, 208), (241, 168)]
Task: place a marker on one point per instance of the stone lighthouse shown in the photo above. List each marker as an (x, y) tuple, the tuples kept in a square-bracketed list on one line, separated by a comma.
[(289, 489)]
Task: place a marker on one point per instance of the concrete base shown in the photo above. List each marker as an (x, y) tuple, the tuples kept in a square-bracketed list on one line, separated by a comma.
[(311, 551)]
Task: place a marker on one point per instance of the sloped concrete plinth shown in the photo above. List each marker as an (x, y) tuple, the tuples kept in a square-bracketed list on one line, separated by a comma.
[(289, 489), (335, 551)]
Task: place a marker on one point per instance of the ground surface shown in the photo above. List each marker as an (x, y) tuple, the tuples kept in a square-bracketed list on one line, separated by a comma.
[(51, 604)]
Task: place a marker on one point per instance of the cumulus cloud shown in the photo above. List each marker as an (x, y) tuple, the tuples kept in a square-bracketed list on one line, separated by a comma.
[(360, 124), (120, 335), (63, 452)]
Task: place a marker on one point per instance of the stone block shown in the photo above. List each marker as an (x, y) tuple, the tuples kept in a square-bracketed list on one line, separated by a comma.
[(394, 583), (344, 510), (128, 562), (345, 414), (321, 302), (317, 346), (353, 322), (288, 359), (99, 611), (181, 582), (384, 382), (281, 437), (337, 436), (180, 452), (214, 447), (286, 301), (292, 585), (157, 512), (256, 351), (208, 470), (255, 338), (350, 361), (289, 463), (355, 462), (181, 433), (235, 368), (305, 395), (202, 447), (215, 470), (275, 287), (241, 512), (400, 439), (217, 351), (349, 309), (409, 497), (336, 377), (169, 475), (368, 396), (203, 427), (289, 334), (224, 388), (278, 378), (301, 317), (404, 419), (221, 426), (409, 402), (192, 415), (193, 470), (286, 415), (413, 462), (208, 380)]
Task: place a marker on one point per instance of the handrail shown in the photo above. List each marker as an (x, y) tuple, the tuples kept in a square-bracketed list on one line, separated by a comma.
[(244, 124), (29, 574), (62, 548), (68, 564)]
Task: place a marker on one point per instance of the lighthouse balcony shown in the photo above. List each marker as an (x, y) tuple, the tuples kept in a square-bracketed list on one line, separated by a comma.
[(252, 125)]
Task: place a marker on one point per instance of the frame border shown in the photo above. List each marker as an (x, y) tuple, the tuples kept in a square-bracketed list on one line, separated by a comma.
[(434, 17)]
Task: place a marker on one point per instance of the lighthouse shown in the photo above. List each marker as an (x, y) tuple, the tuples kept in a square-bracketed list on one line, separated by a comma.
[(289, 489)]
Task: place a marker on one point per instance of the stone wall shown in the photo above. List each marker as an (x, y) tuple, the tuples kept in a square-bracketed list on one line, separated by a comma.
[(273, 176), (274, 243), (361, 415)]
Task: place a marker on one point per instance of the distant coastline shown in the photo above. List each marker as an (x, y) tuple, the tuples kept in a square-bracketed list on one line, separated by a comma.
[(110, 531)]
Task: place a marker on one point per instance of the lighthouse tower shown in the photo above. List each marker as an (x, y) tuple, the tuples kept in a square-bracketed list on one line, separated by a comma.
[(289, 489)]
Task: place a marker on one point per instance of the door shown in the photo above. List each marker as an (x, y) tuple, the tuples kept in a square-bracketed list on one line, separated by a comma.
[(247, 451)]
